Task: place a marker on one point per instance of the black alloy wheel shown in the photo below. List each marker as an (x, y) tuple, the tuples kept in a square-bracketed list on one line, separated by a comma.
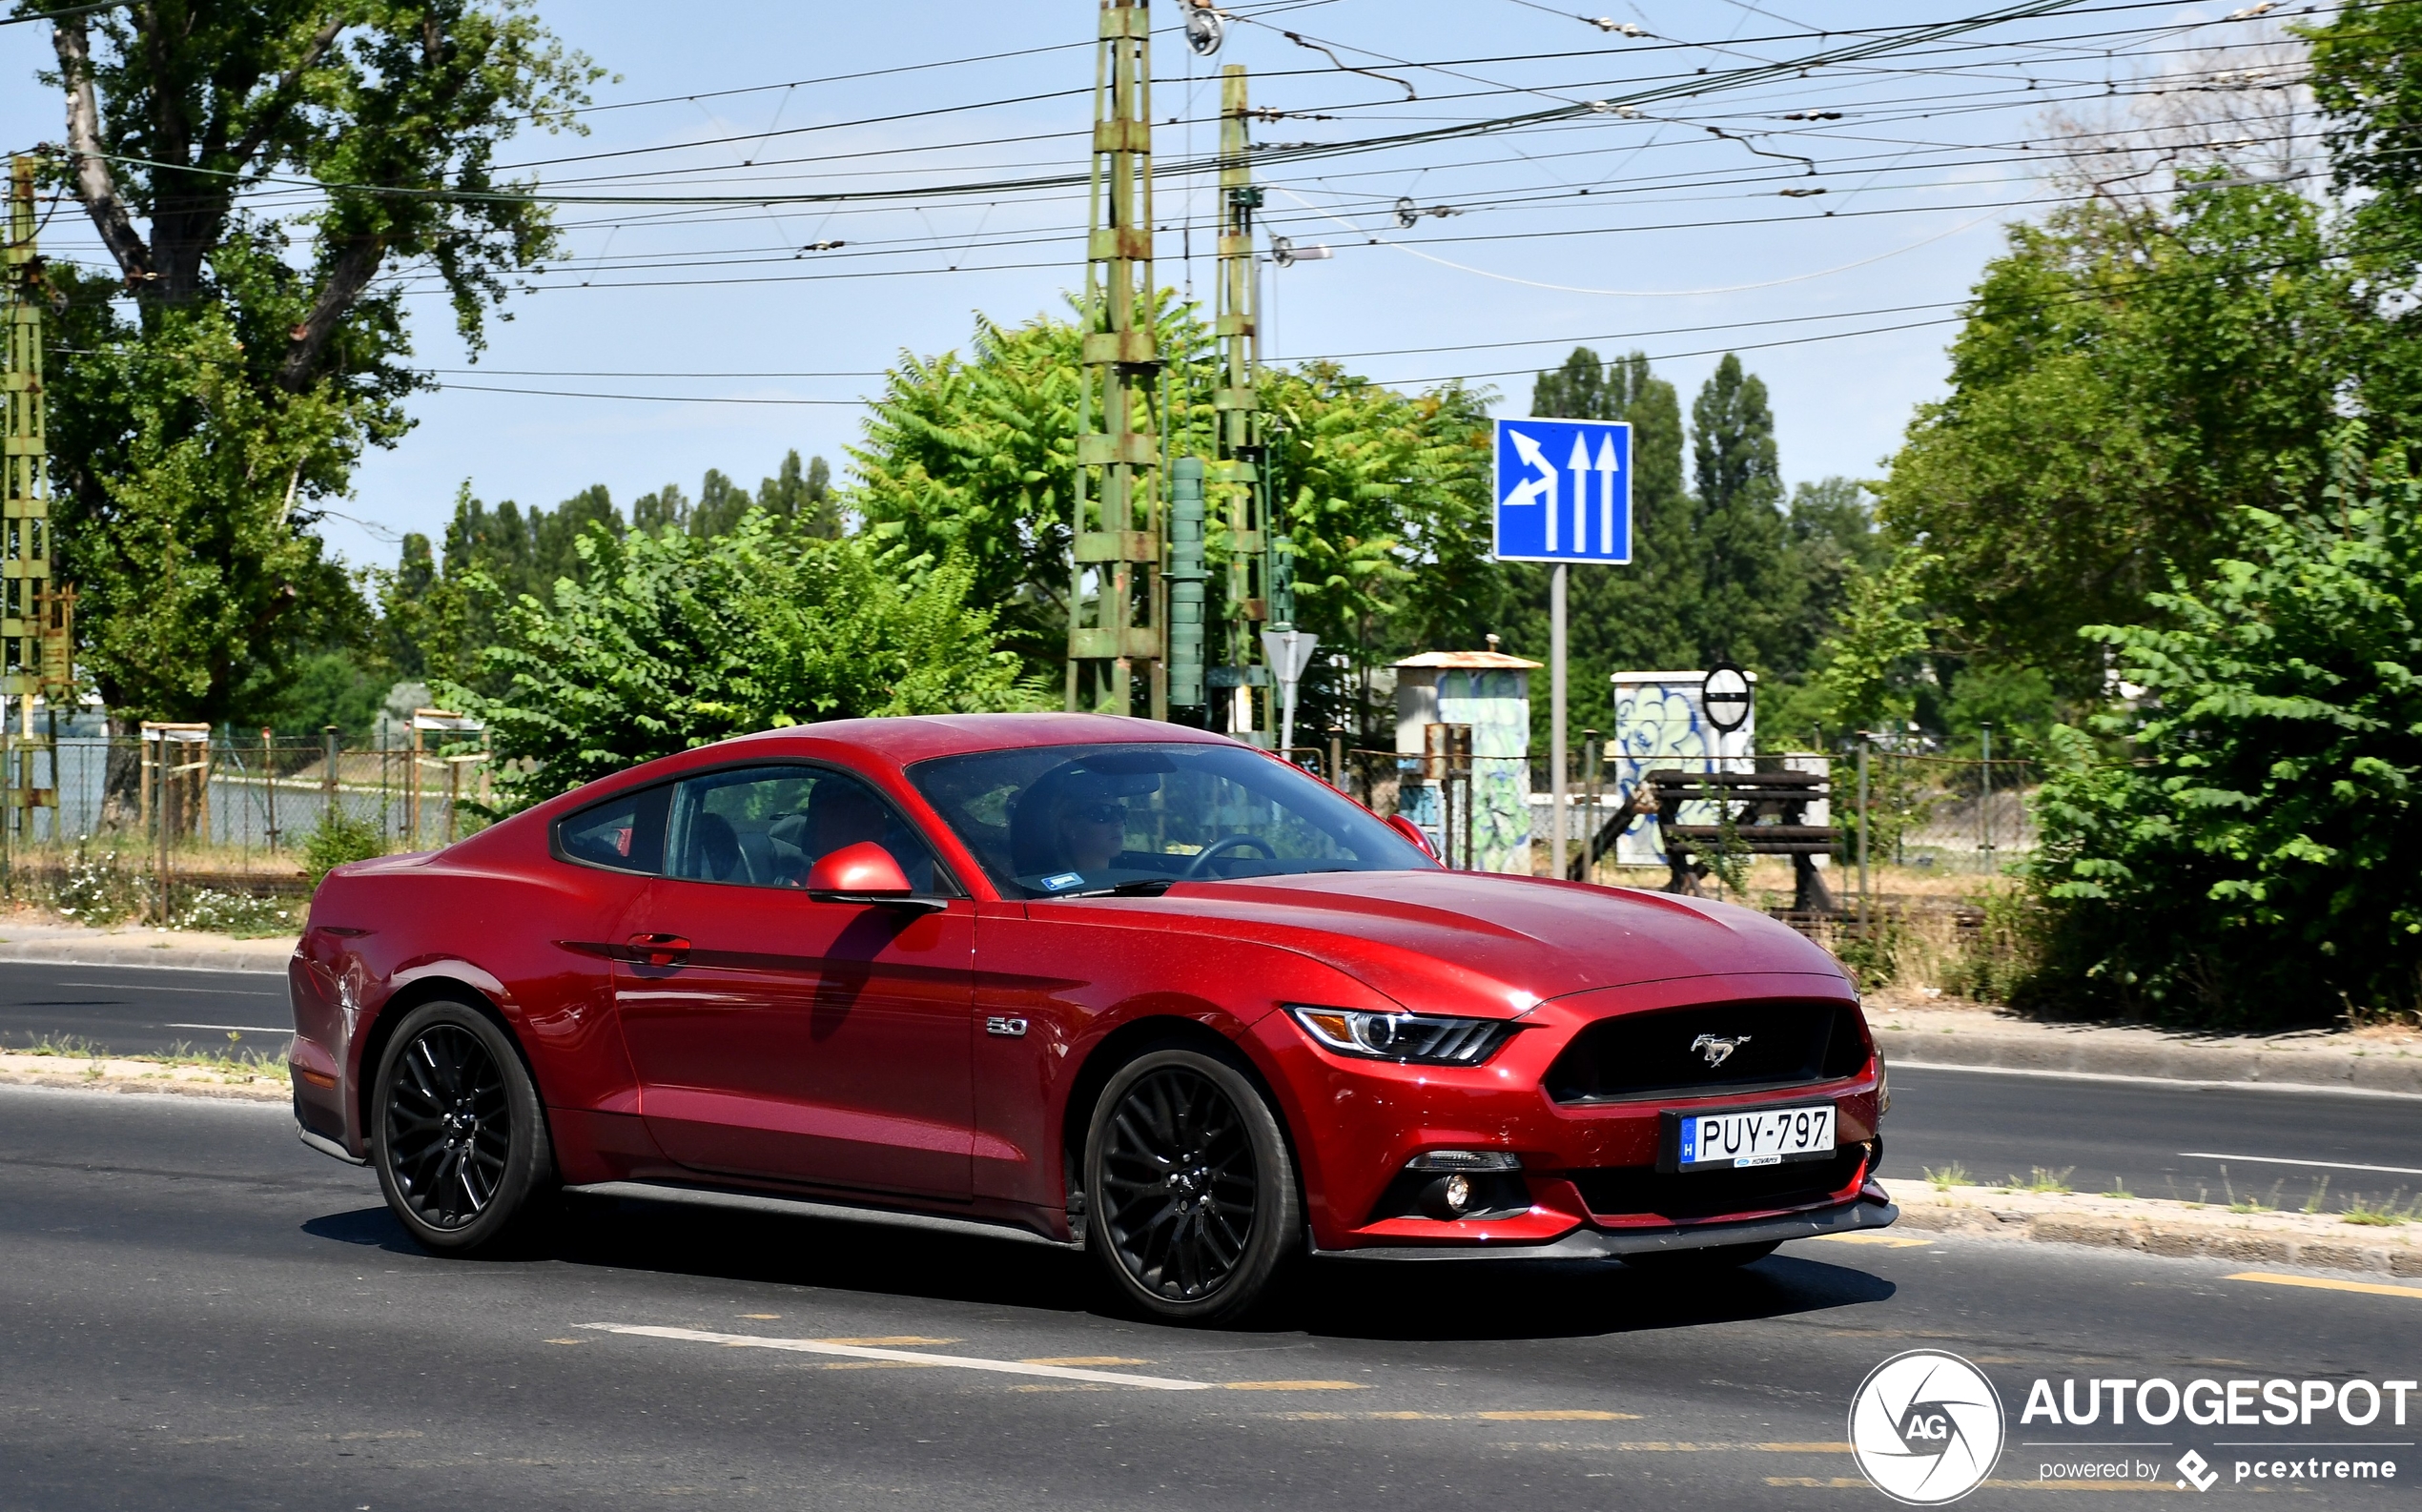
[(1192, 1190), (456, 1133)]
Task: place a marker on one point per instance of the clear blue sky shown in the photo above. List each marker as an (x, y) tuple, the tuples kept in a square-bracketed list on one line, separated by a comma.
[(1682, 230)]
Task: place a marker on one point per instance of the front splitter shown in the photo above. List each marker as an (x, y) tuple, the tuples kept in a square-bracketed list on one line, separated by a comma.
[(1605, 1244)]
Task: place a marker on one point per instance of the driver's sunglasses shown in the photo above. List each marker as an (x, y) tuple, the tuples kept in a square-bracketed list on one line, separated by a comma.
[(1102, 814)]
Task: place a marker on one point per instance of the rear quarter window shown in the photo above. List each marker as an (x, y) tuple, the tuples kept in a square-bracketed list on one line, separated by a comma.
[(624, 833)]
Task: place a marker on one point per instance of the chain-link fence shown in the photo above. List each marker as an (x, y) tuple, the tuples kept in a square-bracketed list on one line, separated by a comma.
[(220, 811)]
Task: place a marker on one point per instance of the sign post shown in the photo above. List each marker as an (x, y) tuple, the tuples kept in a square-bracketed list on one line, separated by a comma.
[(1539, 520), (1288, 652)]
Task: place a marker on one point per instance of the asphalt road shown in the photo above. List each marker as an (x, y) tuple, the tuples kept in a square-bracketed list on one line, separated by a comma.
[(197, 1313), (2203, 1145), (142, 1009)]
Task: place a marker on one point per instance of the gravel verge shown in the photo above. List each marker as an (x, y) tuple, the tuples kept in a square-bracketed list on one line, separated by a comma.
[(2158, 1226)]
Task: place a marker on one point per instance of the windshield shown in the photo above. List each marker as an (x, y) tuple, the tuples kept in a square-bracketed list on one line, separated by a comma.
[(1064, 821)]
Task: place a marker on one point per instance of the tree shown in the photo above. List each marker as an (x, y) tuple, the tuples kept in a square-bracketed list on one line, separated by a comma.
[(2252, 860), (2367, 77), (231, 377), (1747, 599), (667, 641), (2127, 385), (975, 456)]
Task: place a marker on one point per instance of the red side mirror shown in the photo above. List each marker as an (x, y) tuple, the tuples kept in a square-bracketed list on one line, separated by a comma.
[(1412, 832), (861, 870)]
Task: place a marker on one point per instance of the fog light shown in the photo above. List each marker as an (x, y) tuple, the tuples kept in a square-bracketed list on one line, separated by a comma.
[(1447, 1199), (1465, 1160)]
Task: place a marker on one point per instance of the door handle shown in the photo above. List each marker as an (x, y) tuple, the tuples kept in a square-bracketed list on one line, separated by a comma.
[(660, 949)]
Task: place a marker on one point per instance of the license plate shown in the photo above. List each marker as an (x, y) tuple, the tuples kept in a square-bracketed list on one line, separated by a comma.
[(1761, 1137)]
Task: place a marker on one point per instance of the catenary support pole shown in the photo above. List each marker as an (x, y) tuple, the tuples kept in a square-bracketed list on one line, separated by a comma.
[(1556, 755)]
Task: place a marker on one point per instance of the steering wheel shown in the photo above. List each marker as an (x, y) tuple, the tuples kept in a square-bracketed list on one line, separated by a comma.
[(1220, 847)]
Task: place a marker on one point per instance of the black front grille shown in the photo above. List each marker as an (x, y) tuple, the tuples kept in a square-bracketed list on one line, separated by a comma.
[(1644, 1190), (1665, 1053)]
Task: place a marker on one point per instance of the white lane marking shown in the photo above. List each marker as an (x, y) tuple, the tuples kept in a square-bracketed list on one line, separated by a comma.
[(2281, 1160), (241, 1028), (206, 991), (904, 1356), (2324, 1089)]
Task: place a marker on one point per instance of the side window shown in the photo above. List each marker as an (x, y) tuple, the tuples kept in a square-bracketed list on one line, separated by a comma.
[(625, 833), (765, 826)]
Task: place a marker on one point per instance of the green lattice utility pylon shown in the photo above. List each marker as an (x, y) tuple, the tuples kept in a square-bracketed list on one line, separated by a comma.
[(34, 614), (1243, 471), (1115, 611)]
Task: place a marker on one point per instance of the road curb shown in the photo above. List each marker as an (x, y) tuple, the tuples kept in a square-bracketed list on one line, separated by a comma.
[(181, 957), (2312, 1242), (2054, 1048)]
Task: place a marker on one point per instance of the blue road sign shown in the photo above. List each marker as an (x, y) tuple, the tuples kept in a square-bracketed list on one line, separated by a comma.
[(1564, 491)]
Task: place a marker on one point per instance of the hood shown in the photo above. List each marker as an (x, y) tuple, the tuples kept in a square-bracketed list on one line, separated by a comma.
[(1463, 941)]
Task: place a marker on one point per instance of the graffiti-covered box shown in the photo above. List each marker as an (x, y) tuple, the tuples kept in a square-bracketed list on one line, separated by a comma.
[(1660, 722)]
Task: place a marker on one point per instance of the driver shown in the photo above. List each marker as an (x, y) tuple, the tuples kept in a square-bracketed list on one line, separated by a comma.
[(1088, 824)]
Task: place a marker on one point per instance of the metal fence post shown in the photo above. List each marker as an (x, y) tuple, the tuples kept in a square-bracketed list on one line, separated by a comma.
[(328, 772), (1862, 839), (1984, 796)]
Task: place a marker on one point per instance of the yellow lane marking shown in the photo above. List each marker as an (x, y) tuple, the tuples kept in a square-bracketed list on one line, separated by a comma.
[(1085, 1359), (563, 1342), (762, 1317), (892, 1341), (1290, 1385), (875, 1351), (2370, 1288), (1844, 1483), (1556, 1415), (1890, 1242), (1659, 1446)]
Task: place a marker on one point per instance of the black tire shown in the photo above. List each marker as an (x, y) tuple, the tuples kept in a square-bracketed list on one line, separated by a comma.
[(1687, 1262), (1189, 1186), (456, 1132)]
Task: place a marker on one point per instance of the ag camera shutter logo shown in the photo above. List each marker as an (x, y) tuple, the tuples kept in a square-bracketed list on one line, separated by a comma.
[(1927, 1427)]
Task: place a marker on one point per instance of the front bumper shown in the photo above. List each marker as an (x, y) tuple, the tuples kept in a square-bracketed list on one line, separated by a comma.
[(1602, 1244)]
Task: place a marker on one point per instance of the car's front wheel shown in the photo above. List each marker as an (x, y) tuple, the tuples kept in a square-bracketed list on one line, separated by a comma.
[(456, 1133), (1190, 1185)]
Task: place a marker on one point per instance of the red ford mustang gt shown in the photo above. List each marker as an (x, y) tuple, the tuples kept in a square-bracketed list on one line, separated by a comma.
[(1125, 985)]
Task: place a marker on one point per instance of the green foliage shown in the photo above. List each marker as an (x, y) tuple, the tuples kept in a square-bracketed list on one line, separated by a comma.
[(224, 381), (338, 838), (666, 641), (339, 686), (1869, 665), (2254, 860), (973, 458), (2127, 385)]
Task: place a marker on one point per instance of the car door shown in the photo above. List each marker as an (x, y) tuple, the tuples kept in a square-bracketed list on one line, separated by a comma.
[(778, 1037)]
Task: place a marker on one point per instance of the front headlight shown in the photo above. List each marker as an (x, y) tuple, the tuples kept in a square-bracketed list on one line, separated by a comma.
[(1419, 1039)]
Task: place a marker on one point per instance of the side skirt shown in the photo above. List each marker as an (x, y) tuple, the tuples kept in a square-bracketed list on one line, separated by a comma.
[(803, 1208)]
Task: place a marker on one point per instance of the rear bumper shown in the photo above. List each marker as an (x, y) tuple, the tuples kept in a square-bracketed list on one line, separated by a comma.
[(1604, 1244)]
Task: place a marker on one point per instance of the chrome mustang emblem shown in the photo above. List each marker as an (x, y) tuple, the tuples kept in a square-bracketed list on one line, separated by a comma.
[(1717, 1049)]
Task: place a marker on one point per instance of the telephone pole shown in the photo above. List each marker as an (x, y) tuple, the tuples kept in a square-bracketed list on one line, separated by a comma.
[(1116, 518), (36, 656)]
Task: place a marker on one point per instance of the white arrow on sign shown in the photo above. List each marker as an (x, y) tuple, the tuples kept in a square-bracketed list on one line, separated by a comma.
[(1529, 490), (1606, 494), (1580, 465)]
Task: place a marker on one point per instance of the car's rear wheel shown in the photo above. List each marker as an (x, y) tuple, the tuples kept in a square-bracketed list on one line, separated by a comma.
[(1716, 1257), (456, 1133), (1190, 1186)]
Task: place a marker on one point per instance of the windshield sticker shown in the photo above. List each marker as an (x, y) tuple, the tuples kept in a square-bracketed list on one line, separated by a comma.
[(1062, 882)]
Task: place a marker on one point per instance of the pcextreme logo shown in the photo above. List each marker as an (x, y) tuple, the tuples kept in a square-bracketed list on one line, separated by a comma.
[(1927, 1427)]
